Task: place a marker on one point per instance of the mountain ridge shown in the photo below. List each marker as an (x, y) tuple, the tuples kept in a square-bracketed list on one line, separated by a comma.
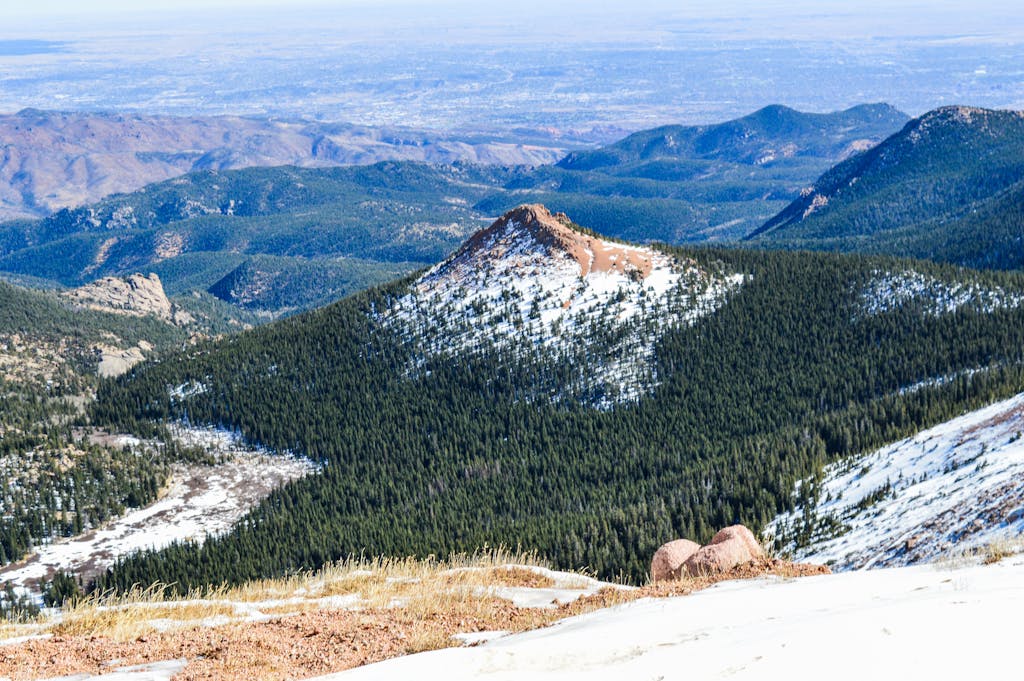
[(950, 177), (751, 139), (483, 411)]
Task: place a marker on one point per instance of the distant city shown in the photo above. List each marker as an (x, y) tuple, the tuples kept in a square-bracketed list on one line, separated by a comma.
[(586, 88)]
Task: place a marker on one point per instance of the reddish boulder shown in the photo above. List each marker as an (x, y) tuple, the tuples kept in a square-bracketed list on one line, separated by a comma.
[(729, 548), (668, 560)]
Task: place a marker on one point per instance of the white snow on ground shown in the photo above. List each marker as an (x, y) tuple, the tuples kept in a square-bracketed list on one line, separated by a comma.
[(154, 671), (958, 484), (514, 291), (566, 587), (200, 501), (912, 623), (888, 291)]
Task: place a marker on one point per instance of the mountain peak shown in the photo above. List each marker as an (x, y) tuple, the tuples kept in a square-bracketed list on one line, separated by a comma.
[(535, 285), (531, 233), (973, 154)]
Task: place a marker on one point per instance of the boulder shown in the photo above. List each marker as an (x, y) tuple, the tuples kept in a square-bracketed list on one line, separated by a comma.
[(669, 559), (731, 547)]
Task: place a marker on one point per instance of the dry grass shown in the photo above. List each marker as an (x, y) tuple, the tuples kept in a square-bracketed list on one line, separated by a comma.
[(986, 554), (9, 630), (420, 587), (996, 550), (376, 579), (131, 615)]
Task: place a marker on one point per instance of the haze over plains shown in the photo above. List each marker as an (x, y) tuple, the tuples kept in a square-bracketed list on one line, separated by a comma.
[(596, 68)]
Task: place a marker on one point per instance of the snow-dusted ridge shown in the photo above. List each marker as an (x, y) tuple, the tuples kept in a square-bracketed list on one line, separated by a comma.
[(955, 486), (533, 285)]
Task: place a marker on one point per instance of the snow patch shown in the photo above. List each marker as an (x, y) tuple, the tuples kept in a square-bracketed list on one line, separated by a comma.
[(898, 623), (152, 671), (889, 291), (200, 501), (184, 391)]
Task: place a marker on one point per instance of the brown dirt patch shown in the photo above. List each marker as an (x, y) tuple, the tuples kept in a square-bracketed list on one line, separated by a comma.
[(687, 585)]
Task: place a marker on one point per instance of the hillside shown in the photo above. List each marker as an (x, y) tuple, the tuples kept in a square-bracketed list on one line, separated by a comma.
[(309, 235), (437, 413), (763, 629), (51, 160), (947, 187), (956, 486), (768, 136)]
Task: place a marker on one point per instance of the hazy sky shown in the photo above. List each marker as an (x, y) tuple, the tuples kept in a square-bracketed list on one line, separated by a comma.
[(801, 18), (571, 63)]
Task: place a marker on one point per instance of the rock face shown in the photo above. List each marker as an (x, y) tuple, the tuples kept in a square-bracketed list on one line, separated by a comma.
[(115, 361), (135, 295), (733, 546), (533, 225), (668, 560)]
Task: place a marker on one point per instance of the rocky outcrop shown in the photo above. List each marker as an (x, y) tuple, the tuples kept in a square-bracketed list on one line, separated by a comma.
[(135, 295), (532, 226), (669, 559), (730, 548), (114, 361)]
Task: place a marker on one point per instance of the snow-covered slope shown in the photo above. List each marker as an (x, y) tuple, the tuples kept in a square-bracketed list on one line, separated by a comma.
[(958, 485), (912, 623), (534, 285)]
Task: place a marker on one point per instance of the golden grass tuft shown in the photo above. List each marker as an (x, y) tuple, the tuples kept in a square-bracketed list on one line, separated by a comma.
[(462, 583), (127, 616)]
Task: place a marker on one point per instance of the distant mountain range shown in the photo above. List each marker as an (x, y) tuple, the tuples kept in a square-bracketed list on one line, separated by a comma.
[(51, 159), (689, 184), (949, 186), (269, 239), (275, 240)]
